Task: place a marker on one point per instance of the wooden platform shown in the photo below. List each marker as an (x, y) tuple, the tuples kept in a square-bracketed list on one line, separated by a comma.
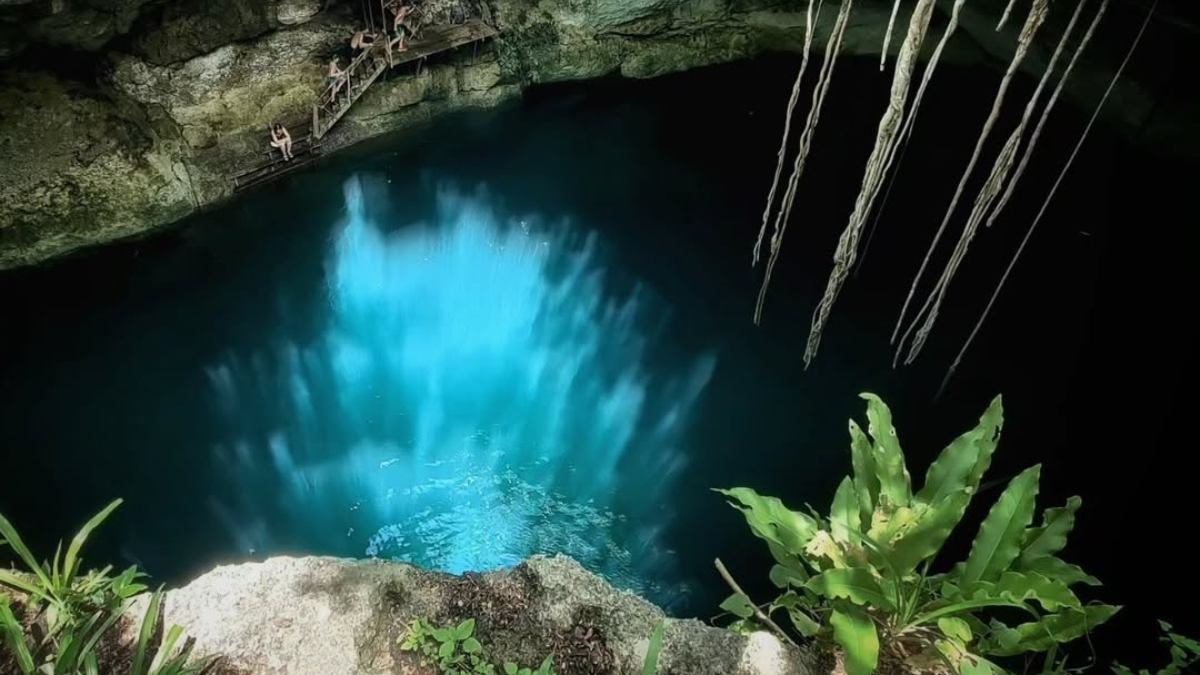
[(436, 39), (305, 149)]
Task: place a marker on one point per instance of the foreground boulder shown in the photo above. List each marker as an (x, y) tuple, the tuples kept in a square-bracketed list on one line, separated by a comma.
[(327, 616)]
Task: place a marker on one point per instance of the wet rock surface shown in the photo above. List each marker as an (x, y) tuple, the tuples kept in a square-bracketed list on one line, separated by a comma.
[(325, 616)]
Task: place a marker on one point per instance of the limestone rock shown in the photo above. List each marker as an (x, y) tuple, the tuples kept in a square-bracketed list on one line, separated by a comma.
[(80, 165), (292, 12), (239, 87), (185, 29), (325, 616)]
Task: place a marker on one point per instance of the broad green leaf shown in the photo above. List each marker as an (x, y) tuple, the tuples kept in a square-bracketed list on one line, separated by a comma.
[(147, 631), (650, 665), (1005, 636), (856, 584), (442, 634), (1184, 643), (791, 562), (999, 540), (844, 515), (738, 605), (447, 649), (854, 631), (1050, 593), (1056, 568), (1038, 636), (9, 534), (993, 418), (966, 606), (925, 538), (71, 562), (15, 637), (786, 601), (973, 665), (770, 520), (804, 624), (956, 628), (894, 481), (510, 668), (1051, 536), (955, 469), (866, 483), (471, 646), (464, 630), (784, 577)]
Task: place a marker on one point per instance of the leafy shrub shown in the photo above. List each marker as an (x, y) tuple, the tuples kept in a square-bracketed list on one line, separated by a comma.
[(455, 651), (68, 613), (1185, 653), (862, 576)]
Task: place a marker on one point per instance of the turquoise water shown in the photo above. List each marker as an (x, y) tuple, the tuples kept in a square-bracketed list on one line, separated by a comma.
[(476, 396)]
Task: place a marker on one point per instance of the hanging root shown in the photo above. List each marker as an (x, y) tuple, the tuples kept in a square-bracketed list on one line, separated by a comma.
[(885, 141), (1067, 167), (1037, 14), (988, 194), (1037, 132), (887, 38), (1007, 13), (814, 115), (787, 127), (906, 130)]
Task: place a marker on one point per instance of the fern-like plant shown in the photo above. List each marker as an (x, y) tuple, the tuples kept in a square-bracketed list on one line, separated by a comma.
[(863, 575)]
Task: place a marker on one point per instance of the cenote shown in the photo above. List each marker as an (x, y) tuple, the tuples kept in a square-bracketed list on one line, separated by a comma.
[(528, 330)]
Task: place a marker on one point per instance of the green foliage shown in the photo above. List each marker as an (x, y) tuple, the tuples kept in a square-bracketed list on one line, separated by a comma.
[(650, 666), (1185, 653), (862, 576), (68, 613), (456, 651)]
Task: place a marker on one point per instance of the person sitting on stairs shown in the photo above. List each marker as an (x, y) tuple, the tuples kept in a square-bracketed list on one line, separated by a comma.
[(281, 139)]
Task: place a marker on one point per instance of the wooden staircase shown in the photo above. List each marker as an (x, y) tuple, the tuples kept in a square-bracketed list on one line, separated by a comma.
[(362, 72)]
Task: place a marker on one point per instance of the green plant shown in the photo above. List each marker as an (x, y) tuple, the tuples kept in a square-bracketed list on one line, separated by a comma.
[(862, 576), (1185, 653), (64, 596), (650, 666), (456, 651), (67, 613)]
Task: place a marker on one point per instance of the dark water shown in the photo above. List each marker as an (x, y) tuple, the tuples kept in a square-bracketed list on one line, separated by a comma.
[(528, 330)]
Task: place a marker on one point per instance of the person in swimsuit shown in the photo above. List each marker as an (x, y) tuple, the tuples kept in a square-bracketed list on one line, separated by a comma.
[(400, 26), (361, 41), (280, 138), (337, 77)]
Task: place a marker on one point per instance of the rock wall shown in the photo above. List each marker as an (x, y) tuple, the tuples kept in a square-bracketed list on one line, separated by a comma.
[(325, 616), (182, 96)]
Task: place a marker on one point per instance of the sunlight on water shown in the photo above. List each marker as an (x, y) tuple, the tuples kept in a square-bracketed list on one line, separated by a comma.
[(477, 396)]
